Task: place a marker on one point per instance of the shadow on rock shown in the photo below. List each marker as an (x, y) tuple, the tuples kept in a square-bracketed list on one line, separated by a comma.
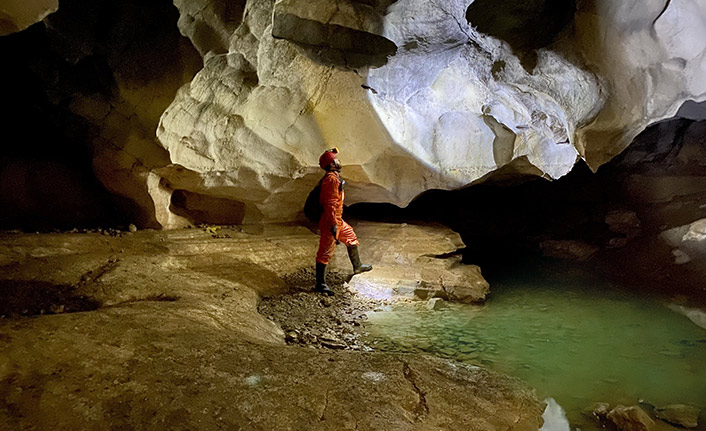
[(31, 298)]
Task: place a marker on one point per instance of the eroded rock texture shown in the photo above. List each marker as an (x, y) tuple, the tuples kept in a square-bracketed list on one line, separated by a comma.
[(253, 122), (16, 15), (416, 262), (415, 95), (651, 57)]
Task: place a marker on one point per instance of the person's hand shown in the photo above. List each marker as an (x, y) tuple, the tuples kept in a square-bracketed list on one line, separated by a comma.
[(334, 232)]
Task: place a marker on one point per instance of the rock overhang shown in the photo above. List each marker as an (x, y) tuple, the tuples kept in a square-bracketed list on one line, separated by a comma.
[(415, 95), (438, 113)]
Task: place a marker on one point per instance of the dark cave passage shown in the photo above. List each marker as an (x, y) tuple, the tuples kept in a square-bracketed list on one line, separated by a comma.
[(611, 220), (65, 91)]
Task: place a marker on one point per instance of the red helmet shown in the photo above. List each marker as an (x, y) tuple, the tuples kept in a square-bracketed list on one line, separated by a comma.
[(327, 157)]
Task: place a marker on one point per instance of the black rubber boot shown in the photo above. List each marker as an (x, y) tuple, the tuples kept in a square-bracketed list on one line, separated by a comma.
[(355, 260), (321, 285)]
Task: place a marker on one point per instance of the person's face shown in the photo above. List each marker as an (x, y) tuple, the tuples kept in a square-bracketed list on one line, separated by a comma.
[(335, 165)]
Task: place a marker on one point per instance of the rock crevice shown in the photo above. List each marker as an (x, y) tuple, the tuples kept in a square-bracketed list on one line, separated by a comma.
[(421, 409)]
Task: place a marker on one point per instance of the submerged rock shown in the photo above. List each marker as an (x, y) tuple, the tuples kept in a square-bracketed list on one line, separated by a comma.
[(631, 418), (688, 243), (679, 414), (600, 411)]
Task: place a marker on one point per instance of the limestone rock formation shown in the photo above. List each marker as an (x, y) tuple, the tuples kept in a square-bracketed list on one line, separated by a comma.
[(414, 262), (415, 96), (137, 63), (16, 15), (347, 33), (209, 24), (253, 122), (688, 243), (651, 57), (662, 178)]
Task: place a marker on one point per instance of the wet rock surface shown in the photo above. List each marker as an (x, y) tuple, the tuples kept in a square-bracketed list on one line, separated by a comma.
[(679, 414), (631, 418), (179, 344)]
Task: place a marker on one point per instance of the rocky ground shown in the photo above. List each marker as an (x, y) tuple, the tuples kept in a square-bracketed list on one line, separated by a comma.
[(309, 318), (161, 330)]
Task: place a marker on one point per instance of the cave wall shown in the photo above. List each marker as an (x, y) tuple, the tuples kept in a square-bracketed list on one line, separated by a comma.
[(46, 179), (88, 86), (450, 106)]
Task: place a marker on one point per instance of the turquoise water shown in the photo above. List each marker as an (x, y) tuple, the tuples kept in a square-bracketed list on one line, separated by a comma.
[(578, 344)]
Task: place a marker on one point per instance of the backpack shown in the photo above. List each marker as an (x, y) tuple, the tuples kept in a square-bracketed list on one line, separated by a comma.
[(312, 206)]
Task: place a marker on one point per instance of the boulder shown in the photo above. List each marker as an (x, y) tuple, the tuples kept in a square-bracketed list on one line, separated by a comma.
[(631, 418), (688, 243), (568, 249), (624, 222), (679, 414)]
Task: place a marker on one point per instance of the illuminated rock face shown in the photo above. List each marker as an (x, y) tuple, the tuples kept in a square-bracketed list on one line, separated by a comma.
[(16, 15), (651, 56), (440, 105)]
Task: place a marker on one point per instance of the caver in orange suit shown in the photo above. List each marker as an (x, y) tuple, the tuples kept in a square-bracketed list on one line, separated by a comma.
[(332, 227)]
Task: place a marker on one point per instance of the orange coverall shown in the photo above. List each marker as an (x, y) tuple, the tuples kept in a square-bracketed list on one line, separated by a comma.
[(331, 200)]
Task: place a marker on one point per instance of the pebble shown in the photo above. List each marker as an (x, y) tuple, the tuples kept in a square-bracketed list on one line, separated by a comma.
[(333, 344)]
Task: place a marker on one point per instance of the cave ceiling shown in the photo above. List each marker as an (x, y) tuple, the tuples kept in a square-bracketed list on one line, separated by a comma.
[(417, 94)]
